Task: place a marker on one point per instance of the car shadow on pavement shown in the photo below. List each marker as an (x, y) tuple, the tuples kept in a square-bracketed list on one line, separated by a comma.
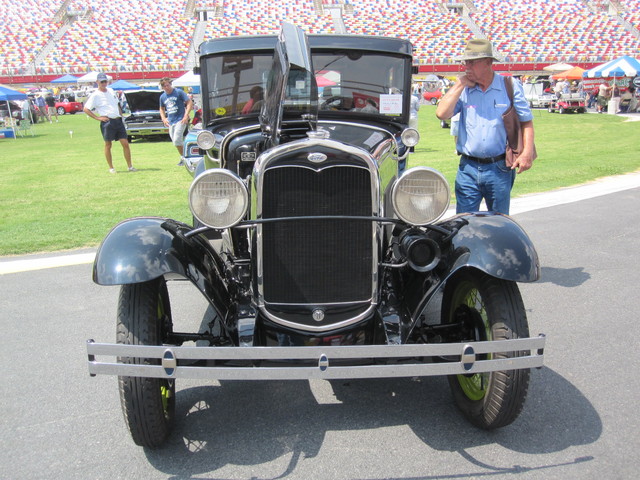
[(564, 277), (251, 423)]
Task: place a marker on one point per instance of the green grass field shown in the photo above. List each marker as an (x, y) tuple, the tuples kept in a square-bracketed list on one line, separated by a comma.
[(56, 192)]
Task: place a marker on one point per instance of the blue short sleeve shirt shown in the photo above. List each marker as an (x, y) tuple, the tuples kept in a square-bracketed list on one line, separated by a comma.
[(174, 105), (481, 130)]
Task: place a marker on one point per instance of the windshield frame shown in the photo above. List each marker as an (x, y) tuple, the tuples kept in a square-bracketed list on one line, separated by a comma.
[(357, 68)]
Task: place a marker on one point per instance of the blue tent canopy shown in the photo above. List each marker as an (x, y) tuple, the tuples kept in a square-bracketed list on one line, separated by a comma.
[(66, 79), (7, 94), (124, 85), (625, 66)]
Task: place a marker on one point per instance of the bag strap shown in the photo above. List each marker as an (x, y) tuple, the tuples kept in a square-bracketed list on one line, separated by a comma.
[(508, 86)]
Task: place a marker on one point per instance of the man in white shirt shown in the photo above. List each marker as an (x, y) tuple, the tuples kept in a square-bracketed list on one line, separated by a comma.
[(109, 114)]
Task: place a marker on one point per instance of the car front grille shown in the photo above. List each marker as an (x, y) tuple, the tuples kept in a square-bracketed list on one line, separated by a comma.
[(317, 261)]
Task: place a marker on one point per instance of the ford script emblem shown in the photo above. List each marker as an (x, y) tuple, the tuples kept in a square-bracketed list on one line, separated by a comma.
[(317, 157)]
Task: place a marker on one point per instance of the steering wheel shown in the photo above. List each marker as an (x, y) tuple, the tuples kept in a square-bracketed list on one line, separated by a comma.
[(338, 100)]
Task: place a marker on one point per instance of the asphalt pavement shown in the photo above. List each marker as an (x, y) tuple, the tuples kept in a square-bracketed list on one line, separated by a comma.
[(580, 420)]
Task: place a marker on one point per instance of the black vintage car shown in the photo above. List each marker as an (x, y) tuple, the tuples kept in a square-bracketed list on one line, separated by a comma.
[(320, 255)]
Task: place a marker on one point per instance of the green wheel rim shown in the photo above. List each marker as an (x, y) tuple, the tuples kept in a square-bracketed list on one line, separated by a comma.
[(474, 386)]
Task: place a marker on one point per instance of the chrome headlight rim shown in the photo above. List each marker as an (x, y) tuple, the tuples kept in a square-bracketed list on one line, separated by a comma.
[(205, 139), (412, 217), (239, 193), (410, 137)]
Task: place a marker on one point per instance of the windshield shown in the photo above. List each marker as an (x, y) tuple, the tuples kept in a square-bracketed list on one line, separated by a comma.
[(348, 82)]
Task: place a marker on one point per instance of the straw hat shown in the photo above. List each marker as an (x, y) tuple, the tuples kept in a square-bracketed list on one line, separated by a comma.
[(478, 48)]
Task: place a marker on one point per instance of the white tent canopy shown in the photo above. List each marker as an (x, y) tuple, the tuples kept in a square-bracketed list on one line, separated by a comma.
[(189, 79), (558, 67), (91, 77)]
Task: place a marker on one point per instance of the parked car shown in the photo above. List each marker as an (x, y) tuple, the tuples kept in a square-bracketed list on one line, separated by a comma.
[(144, 120), (18, 110), (432, 97), (193, 154), (13, 106), (67, 103), (331, 260)]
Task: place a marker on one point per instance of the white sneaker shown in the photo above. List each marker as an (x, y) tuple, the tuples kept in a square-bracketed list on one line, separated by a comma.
[(112, 170), (133, 169)]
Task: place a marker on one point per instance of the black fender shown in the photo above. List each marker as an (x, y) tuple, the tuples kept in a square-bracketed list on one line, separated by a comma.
[(496, 245), (490, 242), (143, 249)]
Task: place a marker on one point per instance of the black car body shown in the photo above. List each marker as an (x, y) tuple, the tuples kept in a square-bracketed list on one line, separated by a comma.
[(319, 254), (144, 120)]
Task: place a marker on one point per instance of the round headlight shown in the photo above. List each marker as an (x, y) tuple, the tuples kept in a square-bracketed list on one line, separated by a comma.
[(218, 198), (205, 139), (410, 137), (420, 196)]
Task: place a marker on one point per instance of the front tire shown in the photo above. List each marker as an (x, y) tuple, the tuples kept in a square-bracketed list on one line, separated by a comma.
[(489, 309), (148, 404), (60, 110)]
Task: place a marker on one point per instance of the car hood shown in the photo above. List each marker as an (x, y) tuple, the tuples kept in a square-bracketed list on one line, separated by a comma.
[(143, 100)]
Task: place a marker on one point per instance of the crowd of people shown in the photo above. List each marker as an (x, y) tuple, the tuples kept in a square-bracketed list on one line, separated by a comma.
[(601, 95)]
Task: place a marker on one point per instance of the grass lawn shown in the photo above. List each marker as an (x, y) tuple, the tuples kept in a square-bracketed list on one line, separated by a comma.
[(56, 192)]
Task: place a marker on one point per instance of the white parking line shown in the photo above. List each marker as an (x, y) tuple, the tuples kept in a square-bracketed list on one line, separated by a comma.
[(518, 205), (29, 264)]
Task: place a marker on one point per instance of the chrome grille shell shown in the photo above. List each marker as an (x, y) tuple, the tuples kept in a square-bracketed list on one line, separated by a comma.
[(296, 247)]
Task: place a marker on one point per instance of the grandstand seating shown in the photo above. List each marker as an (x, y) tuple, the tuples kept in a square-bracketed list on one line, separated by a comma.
[(25, 27), (564, 29), (147, 35)]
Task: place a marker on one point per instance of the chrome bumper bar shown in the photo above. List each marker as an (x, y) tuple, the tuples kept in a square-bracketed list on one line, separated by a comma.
[(319, 360)]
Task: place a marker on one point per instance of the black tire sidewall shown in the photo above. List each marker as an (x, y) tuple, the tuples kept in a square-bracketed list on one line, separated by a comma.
[(506, 390), (142, 404)]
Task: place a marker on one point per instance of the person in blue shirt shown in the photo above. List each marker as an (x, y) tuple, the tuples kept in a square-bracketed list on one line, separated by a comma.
[(175, 107), (479, 96)]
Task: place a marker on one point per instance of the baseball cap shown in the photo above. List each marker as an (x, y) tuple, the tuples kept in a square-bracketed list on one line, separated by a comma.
[(102, 77)]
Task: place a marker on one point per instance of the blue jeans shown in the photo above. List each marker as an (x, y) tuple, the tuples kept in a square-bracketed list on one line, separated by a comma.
[(475, 181)]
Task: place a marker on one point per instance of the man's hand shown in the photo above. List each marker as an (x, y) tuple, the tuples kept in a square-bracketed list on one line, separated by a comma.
[(466, 81), (523, 162)]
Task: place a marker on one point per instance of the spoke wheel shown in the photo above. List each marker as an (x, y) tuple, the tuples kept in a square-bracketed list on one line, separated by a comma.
[(148, 404), (488, 309)]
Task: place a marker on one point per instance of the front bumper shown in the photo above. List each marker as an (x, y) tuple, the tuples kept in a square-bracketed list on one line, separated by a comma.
[(148, 131), (300, 363)]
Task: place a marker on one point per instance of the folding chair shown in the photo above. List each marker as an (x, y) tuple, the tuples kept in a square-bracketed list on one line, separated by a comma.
[(25, 126)]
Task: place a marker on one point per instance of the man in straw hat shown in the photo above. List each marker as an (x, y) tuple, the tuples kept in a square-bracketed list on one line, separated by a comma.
[(480, 97)]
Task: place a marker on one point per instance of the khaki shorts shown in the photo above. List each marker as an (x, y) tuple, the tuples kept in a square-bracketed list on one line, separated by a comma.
[(176, 132)]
